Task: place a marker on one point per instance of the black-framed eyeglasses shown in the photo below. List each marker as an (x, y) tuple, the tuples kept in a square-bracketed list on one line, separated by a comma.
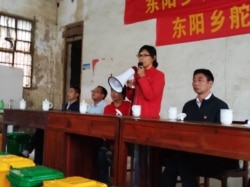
[(143, 55)]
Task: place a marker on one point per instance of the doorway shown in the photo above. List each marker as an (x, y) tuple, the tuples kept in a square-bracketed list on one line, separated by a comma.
[(73, 56), (73, 75)]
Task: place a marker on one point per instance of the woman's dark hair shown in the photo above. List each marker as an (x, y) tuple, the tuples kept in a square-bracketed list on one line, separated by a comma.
[(152, 52), (124, 92)]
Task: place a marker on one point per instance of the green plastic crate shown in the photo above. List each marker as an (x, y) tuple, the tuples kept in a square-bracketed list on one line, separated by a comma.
[(3, 153), (12, 161), (32, 176), (17, 142)]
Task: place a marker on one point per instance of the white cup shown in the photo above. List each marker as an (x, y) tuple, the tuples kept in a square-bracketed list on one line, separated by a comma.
[(136, 110), (172, 113), (22, 104), (47, 105), (226, 116), (83, 107), (10, 128)]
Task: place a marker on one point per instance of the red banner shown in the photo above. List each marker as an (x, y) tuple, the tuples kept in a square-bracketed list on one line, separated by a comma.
[(218, 22), (140, 10)]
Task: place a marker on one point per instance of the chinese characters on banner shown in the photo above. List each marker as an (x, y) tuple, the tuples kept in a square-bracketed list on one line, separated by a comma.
[(140, 10), (188, 20), (231, 21)]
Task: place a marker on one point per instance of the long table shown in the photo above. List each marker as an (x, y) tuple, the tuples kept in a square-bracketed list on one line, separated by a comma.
[(205, 138), (72, 140)]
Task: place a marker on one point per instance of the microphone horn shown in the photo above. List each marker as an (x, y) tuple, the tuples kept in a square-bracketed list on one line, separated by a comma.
[(117, 83)]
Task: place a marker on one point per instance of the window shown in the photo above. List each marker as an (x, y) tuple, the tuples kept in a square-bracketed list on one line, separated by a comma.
[(16, 45)]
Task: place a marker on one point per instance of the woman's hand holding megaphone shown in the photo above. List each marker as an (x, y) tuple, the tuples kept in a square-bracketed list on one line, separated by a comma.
[(140, 71), (130, 83)]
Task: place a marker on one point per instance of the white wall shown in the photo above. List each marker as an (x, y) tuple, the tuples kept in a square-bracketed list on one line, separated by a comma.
[(11, 85), (115, 45)]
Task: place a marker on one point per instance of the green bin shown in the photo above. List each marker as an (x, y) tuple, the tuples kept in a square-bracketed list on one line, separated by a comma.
[(3, 153), (17, 142), (32, 176)]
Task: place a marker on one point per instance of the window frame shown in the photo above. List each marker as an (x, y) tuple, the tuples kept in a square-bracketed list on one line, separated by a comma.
[(23, 52)]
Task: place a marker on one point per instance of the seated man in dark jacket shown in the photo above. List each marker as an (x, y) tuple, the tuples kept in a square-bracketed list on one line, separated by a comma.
[(73, 95), (205, 108)]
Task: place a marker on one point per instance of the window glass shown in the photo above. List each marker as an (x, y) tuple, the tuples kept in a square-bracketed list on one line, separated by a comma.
[(16, 45)]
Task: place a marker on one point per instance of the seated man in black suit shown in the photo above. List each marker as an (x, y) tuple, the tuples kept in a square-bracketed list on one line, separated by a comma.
[(205, 108), (73, 99)]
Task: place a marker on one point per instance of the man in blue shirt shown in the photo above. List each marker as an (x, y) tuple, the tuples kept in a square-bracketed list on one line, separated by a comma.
[(98, 96)]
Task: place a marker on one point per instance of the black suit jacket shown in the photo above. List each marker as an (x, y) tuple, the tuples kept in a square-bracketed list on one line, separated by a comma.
[(73, 107)]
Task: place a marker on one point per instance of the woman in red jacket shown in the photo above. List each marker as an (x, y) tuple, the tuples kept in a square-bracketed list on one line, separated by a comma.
[(146, 90), (147, 87)]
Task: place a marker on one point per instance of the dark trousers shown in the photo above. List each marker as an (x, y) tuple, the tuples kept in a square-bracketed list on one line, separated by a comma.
[(105, 161), (178, 164), (36, 143), (190, 166), (103, 167)]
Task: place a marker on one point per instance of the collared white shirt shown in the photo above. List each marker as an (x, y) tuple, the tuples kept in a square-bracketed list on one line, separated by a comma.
[(68, 105), (198, 102)]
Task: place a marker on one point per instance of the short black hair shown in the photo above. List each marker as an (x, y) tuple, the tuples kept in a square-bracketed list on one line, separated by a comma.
[(123, 93), (152, 51), (103, 91), (205, 72), (76, 88)]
